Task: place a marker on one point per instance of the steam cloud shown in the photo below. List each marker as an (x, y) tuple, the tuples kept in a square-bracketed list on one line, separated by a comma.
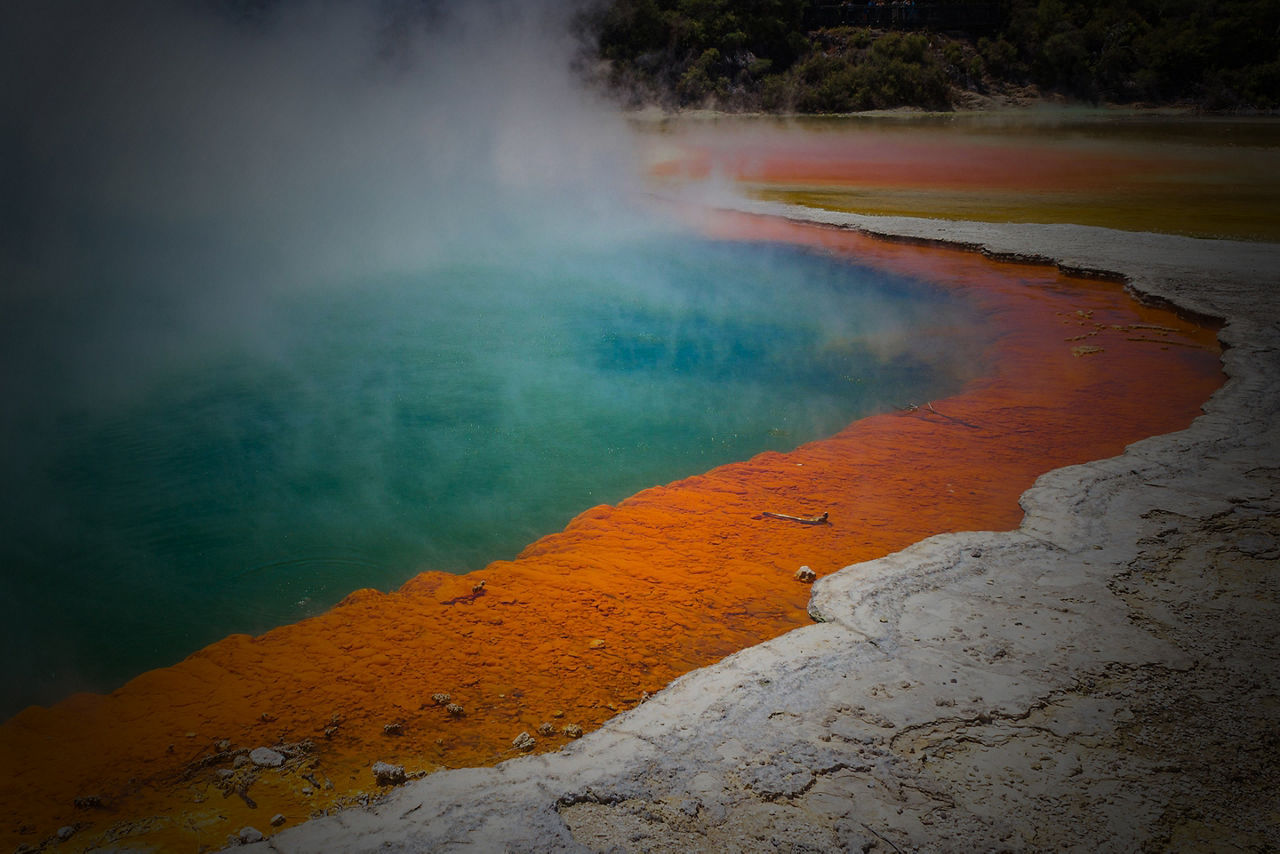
[(185, 156), (169, 167), (182, 179)]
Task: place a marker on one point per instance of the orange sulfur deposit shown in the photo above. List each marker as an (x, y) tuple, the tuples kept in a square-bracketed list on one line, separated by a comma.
[(586, 621)]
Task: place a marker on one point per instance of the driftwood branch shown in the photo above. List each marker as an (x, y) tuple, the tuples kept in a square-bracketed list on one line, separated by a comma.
[(803, 520), (929, 406)]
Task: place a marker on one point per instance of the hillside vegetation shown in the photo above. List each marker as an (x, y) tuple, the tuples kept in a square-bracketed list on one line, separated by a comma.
[(803, 56)]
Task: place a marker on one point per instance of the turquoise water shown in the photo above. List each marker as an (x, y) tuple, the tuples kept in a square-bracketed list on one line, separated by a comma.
[(173, 479)]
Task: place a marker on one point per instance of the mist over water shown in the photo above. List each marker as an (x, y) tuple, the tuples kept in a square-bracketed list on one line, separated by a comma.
[(306, 297)]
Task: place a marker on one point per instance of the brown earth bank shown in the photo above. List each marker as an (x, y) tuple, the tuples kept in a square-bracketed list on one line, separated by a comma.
[(1104, 677), (591, 621)]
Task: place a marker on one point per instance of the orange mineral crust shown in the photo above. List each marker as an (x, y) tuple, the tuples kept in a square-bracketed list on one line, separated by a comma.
[(883, 160), (586, 621)]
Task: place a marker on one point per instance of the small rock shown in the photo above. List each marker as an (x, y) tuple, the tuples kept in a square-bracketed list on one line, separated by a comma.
[(573, 731), (307, 790), (546, 730), (240, 761), (66, 832), (265, 757), (301, 748), (393, 729), (806, 575), (455, 710), (278, 819), (386, 774), (224, 745), (524, 741), (224, 773), (250, 834), (441, 699), (596, 643), (330, 731), (88, 802)]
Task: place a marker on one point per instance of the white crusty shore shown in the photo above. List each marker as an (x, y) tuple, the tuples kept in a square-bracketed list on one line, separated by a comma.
[(1104, 678)]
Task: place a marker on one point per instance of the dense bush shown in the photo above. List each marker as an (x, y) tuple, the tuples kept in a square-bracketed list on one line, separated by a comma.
[(1216, 52), (690, 51), (1221, 54), (895, 70)]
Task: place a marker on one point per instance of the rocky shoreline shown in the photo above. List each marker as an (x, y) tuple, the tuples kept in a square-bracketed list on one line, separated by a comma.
[(1104, 677)]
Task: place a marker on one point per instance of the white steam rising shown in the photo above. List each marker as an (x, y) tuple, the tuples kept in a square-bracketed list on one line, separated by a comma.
[(291, 286), (167, 166), (355, 134), (170, 168)]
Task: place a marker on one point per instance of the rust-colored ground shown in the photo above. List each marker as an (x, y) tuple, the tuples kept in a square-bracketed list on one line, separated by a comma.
[(585, 621)]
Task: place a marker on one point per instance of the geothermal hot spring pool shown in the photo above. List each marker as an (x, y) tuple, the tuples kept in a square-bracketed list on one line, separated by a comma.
[(173, 480), (307, 301)]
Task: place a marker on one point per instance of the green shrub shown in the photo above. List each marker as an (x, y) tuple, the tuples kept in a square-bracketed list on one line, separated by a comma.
[(999, 56), (953, 53), (908, 47)]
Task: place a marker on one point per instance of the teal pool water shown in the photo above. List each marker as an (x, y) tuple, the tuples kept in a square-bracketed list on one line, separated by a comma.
[(171, 481)]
